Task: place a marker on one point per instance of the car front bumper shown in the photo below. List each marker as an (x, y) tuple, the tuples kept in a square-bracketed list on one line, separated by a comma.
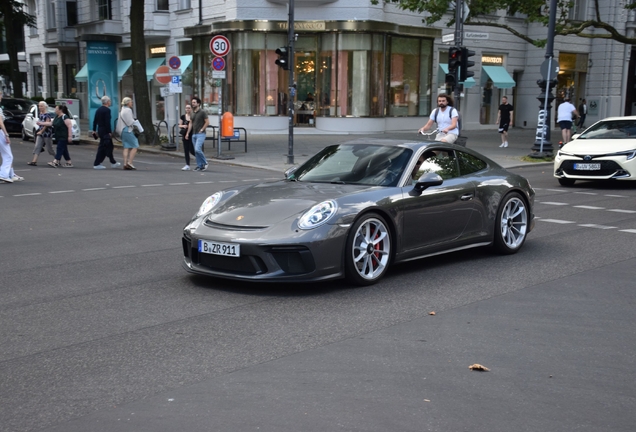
[(610, 168)]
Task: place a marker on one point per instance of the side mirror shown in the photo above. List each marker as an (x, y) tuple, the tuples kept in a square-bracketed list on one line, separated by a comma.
[(427, 180), (289, 171)]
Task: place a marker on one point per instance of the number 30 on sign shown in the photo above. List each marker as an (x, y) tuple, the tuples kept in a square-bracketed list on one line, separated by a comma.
[(220, 45)]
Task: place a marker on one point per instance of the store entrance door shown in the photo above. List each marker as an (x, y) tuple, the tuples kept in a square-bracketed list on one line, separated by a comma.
[(305, 50)]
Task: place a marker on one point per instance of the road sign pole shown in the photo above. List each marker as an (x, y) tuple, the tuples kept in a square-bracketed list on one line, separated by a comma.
[(292, 87)]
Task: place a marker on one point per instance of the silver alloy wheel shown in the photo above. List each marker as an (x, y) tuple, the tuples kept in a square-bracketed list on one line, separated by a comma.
[(371, 249), (514, 223)]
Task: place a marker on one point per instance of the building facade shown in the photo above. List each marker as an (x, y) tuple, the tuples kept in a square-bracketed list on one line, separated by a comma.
[(358, 67)]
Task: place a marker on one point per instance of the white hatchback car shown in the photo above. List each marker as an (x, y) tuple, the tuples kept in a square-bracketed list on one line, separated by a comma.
[(604, 151), (29, 126)]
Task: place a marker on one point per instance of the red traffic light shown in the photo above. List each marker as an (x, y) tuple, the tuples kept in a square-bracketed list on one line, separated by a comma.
[(454, 59)]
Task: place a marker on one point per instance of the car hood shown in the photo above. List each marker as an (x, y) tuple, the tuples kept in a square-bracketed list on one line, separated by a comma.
[(267, 204), (598, 146)]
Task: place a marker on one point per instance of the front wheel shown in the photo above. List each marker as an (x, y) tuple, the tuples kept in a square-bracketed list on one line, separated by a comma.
[(25, 137), (511, 225), (368, 250)]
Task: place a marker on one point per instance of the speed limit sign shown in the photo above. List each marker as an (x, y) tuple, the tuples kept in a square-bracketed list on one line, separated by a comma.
[(219, 45)]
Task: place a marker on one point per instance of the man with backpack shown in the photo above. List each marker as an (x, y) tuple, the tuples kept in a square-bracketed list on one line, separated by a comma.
[(446, 117)]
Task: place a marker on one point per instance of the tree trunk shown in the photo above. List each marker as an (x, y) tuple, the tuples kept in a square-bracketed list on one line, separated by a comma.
[(140, 83), (12, 47)]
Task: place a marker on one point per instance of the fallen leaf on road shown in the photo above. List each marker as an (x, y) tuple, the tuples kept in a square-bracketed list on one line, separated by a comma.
[(431, 313), (478, 367)]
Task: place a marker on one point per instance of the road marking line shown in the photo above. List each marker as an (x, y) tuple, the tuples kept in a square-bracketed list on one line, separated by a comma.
[(632, 231), (57, 192), (29, 194), (250, 180), (227, 181), (93, 189), (205, 182), (152, 185), (597, 226), (586, 193), (556, 190), (622, 211), (589, 207), (558, 221), (124, 187), (616, 196), (553, 203), (178, 184)]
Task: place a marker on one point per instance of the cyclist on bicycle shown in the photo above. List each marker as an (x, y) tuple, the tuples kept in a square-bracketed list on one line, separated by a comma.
[(446, 118)]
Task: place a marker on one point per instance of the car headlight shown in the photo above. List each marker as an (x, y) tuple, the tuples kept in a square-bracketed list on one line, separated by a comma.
[(318, 215), (631, 155), (209, 203)]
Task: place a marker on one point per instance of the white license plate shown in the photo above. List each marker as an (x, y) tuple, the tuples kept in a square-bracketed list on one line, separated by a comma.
[(217, 248), (587, 166)]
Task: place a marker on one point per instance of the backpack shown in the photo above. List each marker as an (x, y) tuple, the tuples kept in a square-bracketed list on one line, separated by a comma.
[(450, 113)]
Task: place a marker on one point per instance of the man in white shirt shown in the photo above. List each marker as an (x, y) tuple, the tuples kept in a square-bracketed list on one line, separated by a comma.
[(446, 118), (564, 118)]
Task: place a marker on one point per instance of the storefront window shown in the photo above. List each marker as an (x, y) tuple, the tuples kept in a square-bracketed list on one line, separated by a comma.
[(326, 87), (404, 76)]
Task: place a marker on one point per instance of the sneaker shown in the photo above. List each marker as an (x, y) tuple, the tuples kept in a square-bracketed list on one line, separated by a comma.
[(131, 166), (506, 144), (6, 179), (115, 165), (205, 167), (16, 178), (99, 167), (186, 168), (68, 165), (198, 168), (503, 144)]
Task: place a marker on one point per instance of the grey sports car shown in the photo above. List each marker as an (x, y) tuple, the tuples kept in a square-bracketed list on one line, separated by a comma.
[(355, 208)]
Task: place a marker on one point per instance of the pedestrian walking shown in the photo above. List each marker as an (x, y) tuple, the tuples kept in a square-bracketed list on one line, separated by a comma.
[(103, 130), (446, 118), (188, 147), (7, 175), (582, 114), (44, 135), (504, 120), (196, 130), (125, 131), (564, 117), (63, 133)]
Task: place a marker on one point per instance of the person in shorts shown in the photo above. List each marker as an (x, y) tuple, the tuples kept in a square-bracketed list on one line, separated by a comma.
[(446, 118), (504, 119), (564, 117)]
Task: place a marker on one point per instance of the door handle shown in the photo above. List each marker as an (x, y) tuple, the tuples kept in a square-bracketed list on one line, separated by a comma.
[(467, 197)]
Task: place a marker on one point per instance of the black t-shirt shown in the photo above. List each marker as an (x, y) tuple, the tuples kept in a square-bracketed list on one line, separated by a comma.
[(505, 112)]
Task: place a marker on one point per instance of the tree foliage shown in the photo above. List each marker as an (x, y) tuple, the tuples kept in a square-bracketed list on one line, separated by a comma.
[(13, 18), (482, 13)]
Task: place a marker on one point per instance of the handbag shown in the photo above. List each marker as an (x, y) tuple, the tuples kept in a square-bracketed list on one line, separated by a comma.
[(137, 125)]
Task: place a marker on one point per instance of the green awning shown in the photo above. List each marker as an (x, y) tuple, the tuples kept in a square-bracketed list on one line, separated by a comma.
[(122, 68), (441, 76), (186, 60), (82, 75), (151, 66), (499, 76)]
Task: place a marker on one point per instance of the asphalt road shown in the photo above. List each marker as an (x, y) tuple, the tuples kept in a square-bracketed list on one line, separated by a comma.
[(102, 330)]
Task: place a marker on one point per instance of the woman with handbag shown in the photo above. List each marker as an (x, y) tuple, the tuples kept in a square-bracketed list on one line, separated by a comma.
[(188, 147), (63, 132), (125, 131)]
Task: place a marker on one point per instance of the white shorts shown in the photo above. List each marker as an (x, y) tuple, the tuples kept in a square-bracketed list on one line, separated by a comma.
[(449, 138)]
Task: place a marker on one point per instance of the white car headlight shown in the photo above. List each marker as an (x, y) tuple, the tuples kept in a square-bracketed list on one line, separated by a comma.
[(209, 203), (631, 155), (318, 215)]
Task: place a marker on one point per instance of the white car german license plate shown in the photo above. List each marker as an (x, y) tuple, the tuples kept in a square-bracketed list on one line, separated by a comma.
[(587, 166), (217, 248)]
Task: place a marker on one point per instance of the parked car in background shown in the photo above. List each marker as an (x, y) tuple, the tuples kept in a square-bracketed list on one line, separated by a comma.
[(29, 126), (604, 151), (14, 111)]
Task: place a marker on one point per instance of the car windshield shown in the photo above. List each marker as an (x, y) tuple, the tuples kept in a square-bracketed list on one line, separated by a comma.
[(15, 105), (611, 129), (363, 164)]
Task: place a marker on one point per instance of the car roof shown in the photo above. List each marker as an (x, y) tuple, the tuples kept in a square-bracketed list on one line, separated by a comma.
[(619, 118)]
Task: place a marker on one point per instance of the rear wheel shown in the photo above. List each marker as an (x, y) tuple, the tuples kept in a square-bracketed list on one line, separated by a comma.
[(368, 250), (511, 225), (566, 181)]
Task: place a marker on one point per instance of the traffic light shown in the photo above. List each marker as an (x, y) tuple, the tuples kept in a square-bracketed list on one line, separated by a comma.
[(466, 64), (450, 80), (283, 57), (454, 59)]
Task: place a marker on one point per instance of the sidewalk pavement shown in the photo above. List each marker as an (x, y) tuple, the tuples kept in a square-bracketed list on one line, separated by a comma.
[(269, 151)]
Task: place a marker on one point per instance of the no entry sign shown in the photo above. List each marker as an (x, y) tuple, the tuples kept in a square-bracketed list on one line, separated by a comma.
[(220, 45), (162, 75)]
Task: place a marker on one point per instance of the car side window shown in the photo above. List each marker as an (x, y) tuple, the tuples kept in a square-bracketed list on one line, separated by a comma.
[(469, 164), (440, 162)]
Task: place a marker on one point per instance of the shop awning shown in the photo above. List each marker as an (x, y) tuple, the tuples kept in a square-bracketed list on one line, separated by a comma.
[(151, 66), (122, 68), (441, 76), (82, 75), (499, 76), (186, 60)]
